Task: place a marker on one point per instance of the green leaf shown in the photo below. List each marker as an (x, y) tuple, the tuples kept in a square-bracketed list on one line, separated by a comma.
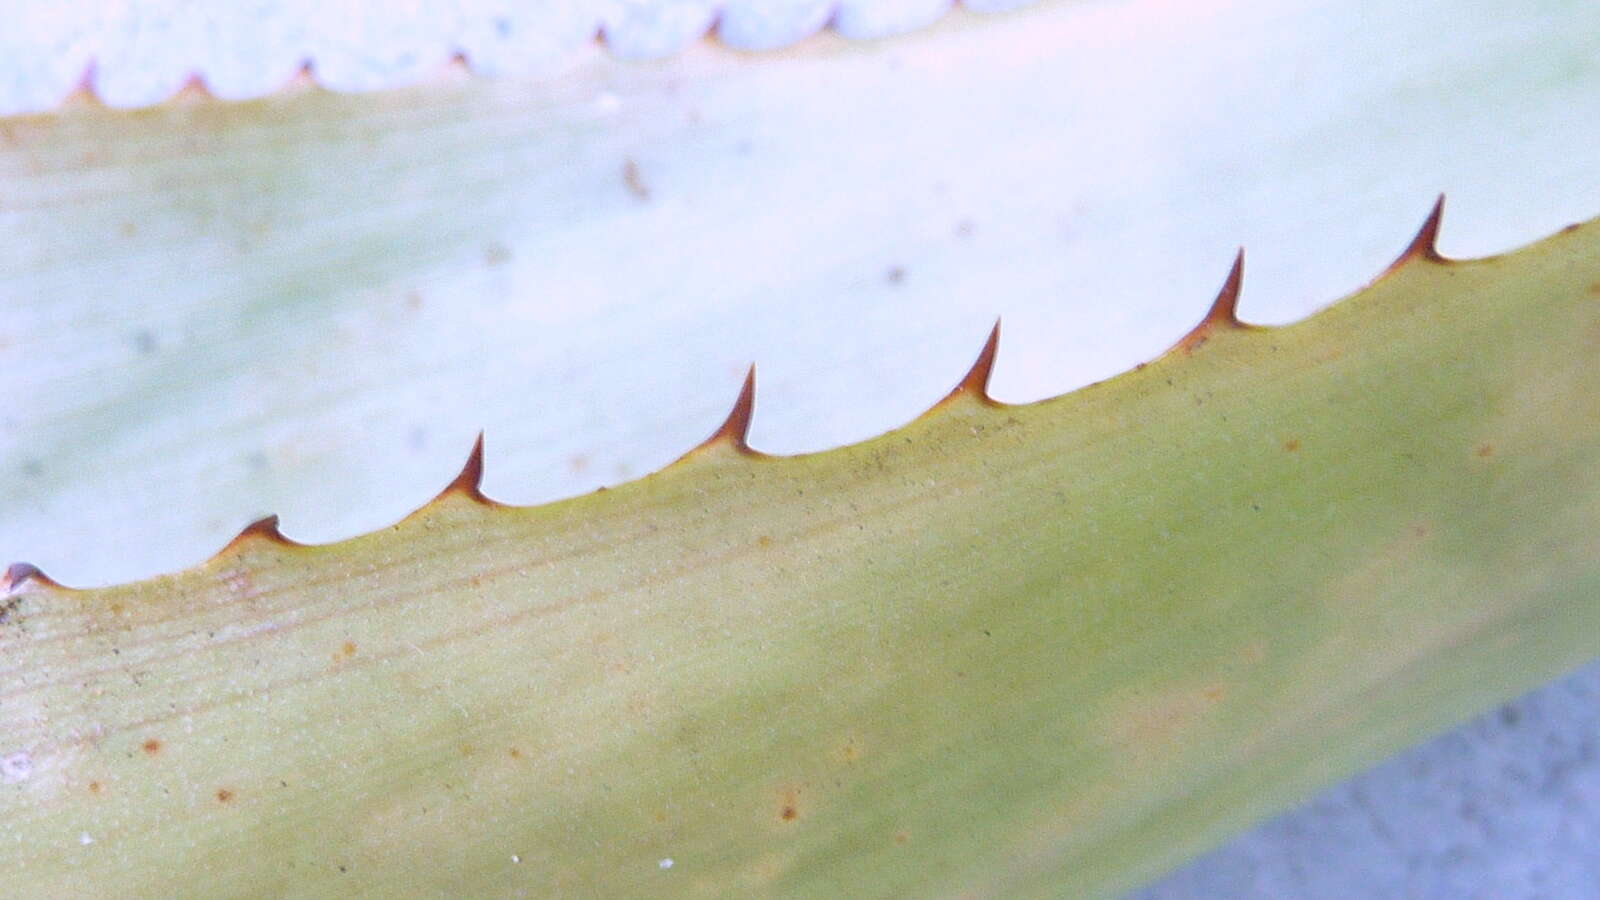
[(309, 304), (1034, 649)]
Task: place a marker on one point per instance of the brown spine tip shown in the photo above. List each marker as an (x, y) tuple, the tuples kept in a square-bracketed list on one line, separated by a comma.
[(264, 528), (18, 574), (83, 91), (1425, 246), (303, 78), (194, 88), (1224, 311), (735, 430), (469, 482), (976, 382)]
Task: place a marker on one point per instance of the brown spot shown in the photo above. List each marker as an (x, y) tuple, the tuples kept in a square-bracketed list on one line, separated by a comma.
[(895, 275), (94, 787), (349, 649), (764, 541), (850, 752), (224, 795), (900, 837), (635, 181), (127, 229), (151, 746), (1420, 529), (789, 804), (496, 254), (515, 753), (1157, 721), (1291, 445), (1594, 289), (1485, 450)]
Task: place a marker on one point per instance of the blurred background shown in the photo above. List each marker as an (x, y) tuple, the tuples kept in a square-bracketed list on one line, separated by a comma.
[(308, 299)]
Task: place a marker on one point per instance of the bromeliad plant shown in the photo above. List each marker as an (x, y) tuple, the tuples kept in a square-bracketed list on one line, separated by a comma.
[(1036, 649)]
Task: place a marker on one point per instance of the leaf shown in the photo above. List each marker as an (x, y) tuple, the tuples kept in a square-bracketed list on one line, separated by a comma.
[(309, 304), (1044, 648)]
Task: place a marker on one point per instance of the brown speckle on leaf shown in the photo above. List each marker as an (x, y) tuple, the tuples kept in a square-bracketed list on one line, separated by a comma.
[(895, 275), (94, 787), (789, 804), (496, 254), (1291, 445), (151, 747), (900, 837), (1485, 450), (634, 181), (224, 795), (764, 541), (515, 753)]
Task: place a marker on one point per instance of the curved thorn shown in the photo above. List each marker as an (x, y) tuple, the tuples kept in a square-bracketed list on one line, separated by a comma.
[(976, 381), (1224, 311), (17, 574), (470, 480), (735, 430), (1425, 246), (194, 87), (264, 528)]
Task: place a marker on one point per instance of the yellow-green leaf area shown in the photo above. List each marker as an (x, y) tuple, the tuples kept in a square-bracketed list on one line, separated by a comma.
[(1047, 649)]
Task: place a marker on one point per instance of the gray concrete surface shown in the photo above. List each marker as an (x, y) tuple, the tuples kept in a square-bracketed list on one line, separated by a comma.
[(1507, 806)]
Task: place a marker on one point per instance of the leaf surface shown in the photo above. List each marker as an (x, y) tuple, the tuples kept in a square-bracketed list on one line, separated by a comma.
[(308, 304), (1034, 649)]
